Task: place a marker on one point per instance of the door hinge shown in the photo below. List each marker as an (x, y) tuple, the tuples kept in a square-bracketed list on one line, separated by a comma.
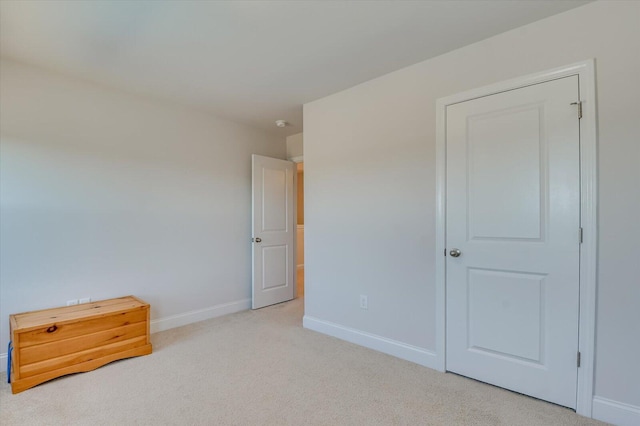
[(578, 359), (579, 104), (581, 235)]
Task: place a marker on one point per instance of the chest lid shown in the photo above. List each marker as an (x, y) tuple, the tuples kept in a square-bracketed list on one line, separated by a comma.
[(69, 314)]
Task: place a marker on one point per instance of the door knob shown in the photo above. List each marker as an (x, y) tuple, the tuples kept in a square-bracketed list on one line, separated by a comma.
[(455, 253), (257, 240)]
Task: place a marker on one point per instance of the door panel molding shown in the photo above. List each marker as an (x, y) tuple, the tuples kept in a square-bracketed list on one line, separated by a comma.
[(585, 71)]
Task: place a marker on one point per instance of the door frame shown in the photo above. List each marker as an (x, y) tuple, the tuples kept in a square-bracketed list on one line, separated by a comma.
[(585, 71), (296, 160)]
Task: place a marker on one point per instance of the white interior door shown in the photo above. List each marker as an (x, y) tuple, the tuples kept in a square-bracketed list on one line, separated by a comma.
[(273, 230), (513, 212)]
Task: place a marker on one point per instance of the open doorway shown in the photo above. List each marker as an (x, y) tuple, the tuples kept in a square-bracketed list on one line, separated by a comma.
[(300, 231)]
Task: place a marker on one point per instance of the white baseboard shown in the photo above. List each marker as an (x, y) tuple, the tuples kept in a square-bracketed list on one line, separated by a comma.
[(378, 343), (615, 412), (173, 321), (3, 362)]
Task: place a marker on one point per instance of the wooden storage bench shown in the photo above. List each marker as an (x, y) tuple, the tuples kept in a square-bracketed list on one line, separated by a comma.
[(53, 342)]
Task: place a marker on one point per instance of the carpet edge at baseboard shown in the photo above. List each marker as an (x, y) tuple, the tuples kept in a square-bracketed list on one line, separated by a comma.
[(392, 347)]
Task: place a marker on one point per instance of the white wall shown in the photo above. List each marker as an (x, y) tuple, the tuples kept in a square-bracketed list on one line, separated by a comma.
[(294, 146), (370, 188), (106, 194)]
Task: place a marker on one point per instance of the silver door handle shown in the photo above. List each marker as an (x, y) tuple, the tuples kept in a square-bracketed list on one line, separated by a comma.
[(257, 240), (455, 253)]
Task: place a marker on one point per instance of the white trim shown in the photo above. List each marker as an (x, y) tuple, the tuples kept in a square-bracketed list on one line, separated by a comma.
[(589, 247), (173, 321), (441, 175), (615, 412), (3, 362), (378, 343), (298, 159), (588, 206)]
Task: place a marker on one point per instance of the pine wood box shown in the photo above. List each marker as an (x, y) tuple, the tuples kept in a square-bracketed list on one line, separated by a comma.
[(53, 342)]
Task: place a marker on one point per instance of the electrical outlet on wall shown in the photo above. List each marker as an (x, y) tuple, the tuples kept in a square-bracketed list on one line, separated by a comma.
[(85, 300), (364, 301), (72, 302)]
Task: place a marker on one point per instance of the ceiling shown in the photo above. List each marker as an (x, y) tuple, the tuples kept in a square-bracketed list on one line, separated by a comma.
[(250, 61)]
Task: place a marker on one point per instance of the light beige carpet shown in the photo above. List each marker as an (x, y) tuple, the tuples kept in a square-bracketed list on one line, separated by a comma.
[(262, 368)]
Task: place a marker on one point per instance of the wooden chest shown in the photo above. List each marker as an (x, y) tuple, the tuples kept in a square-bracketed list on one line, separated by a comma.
[(53, 342)]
